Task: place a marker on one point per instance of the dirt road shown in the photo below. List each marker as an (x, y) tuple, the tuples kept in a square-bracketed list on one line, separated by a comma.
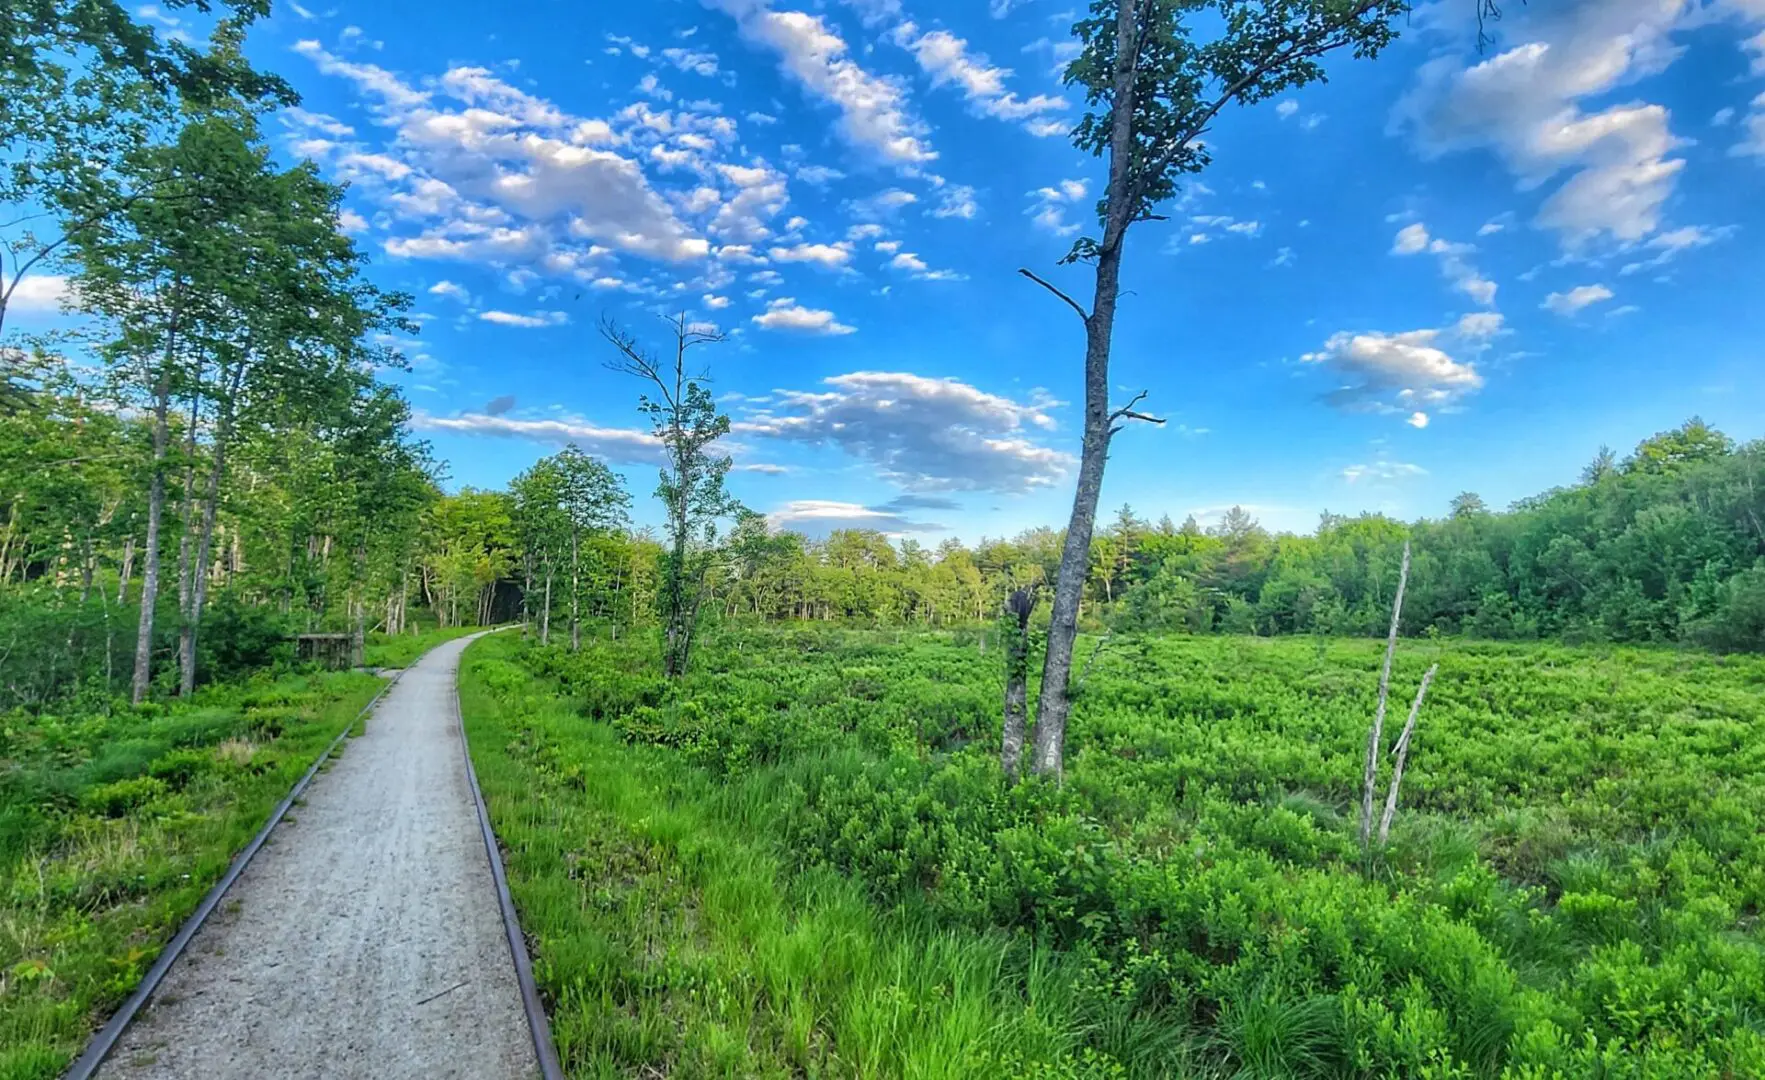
[(365, 940)]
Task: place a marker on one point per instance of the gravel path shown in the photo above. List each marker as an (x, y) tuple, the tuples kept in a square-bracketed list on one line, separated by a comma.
[(365, 940)]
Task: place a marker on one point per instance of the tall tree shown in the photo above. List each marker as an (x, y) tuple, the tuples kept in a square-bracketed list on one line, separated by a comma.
[(1154, 90), (687, 425)]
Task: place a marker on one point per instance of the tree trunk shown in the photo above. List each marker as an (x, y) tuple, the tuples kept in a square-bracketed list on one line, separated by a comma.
[(211, 501), (1075, 556), (128, 569), (1017, 654), (545, 615), (1375, 735), (150, 561), (575, 594), (185, 514)]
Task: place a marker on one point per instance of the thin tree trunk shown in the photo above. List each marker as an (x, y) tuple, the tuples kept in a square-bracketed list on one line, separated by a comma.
[(128, 569), (1017, 652), (575, 594), (545, 616), (1403, 754), (1376, 734), (211, 501), (185, 514), (1075, 557), (150, 562)]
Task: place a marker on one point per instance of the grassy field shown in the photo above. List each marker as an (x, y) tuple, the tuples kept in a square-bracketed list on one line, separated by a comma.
[(805, 863), (402, 650), (112, 827)]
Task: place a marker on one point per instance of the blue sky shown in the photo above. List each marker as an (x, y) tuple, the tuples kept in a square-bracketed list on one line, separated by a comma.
[(1444, 270)]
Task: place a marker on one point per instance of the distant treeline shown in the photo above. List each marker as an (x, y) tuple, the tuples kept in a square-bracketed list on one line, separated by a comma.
[(1665, 545)]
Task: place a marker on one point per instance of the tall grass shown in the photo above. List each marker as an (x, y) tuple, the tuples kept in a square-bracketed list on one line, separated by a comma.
[(670, 938), (113, 825)]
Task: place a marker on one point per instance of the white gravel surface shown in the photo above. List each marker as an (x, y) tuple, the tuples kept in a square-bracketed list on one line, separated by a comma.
[(365, 939)]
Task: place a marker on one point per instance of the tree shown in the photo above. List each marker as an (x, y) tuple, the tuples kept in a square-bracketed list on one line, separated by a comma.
[(1690, 442), (237, 290), (592, 498), (1468, 504), (1604, 464), (687, 424), (1154, 90)]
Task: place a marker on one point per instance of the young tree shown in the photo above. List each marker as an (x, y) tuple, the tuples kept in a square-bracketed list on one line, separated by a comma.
[(686, 424), (1154, 90), (593, 500)]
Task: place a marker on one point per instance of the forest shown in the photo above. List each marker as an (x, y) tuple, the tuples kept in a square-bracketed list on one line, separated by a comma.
[(760, 791)]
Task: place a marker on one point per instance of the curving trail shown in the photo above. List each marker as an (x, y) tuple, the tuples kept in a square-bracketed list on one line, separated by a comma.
[(365, 940)]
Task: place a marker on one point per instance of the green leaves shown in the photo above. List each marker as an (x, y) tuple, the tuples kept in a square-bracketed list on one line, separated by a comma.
[(1178, 63)]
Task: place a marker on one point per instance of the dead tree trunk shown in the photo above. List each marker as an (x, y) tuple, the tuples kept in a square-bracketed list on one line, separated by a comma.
[(545, 616), (1017, 665), (1402, 751), (1374, 736)]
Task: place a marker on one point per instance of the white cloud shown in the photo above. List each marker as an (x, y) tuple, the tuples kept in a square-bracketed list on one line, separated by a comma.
[(1413, 239), (882, 205), (947, 59), (451, 290), (818, 175), (37, 293), (829, 256), (302, 120), (818, 517), (1286, 108), (1526, 104), (1670, 244), (697, 61), (874, 114), (502, 155), (1417, 420), (351, 222), (1481, 325), (715, 303), (1048, 206), (759, 193), (922, 433), (1383, 471), (528, 322), (906, 260), (1575, 299), (1753, 143), (957, 202), (619, 445), (1406, 373), (785, 313), (1723, 116)]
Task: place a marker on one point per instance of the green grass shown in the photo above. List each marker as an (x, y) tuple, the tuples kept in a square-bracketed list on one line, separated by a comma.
[(1572, 888), (667, 943), (113, 827), (402, 650)]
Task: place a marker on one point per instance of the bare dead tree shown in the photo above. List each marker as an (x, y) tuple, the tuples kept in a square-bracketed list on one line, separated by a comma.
[(1402, 753), (1378, 730)]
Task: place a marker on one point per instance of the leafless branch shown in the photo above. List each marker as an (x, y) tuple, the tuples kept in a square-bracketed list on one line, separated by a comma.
[(1126, 412), (633, 360), (1403, 752), (1074, 304)]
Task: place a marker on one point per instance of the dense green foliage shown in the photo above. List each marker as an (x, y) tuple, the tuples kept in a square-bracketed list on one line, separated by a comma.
[(114, 825), (1571, 888)]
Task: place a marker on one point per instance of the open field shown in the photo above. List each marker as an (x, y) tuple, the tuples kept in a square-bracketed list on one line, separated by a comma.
[(811, 850), (114, 825)]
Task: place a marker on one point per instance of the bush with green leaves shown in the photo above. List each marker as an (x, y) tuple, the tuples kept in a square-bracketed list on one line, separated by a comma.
[(1571, 887)]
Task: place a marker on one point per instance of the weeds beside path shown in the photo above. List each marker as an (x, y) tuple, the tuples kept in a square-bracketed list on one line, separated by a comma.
[(113, 827), (666, 939)]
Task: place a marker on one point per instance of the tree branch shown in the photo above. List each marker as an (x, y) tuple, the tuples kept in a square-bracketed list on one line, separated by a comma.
[(1074, 304), (1126, 412)]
